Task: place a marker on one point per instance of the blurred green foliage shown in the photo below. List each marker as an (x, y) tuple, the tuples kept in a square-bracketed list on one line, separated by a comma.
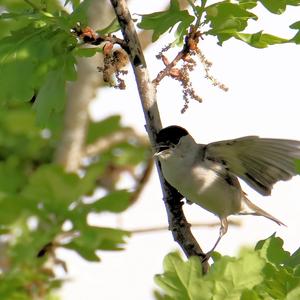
[(268, 272), (42, 207), (37, 198)]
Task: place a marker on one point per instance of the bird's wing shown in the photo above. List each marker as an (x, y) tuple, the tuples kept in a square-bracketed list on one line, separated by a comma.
[(260, 162)]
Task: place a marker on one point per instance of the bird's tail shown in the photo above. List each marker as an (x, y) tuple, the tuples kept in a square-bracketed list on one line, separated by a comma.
[(257, 211)]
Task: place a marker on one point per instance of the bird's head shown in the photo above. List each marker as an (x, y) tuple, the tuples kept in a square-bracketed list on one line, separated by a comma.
[(169, 137)]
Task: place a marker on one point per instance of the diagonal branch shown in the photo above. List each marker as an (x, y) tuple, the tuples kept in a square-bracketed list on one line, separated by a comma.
[(177, 222)]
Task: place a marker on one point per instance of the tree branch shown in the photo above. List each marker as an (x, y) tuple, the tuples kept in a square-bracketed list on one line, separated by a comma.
[(177, 222), (80, 94), (142, 181), (103, 144)]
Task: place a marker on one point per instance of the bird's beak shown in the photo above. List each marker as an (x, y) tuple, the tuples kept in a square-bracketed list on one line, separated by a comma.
[(157, 154), (160, 148)]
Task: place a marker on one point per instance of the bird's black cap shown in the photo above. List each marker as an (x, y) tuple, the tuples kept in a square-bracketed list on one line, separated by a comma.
[(170, 136)]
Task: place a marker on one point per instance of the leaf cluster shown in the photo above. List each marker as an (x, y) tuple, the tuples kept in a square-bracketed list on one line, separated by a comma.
[(41, 204), (38, 47), (161, 22), (223, 19), (42, 207), (268, 272), (37, 54)]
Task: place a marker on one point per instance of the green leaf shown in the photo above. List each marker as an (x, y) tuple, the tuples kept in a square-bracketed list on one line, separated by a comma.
[(279, 276), (271, 249), (249, 295), (11, 179), (88, 182), (52, 190), (20, 121), (232, 276), (181, 31), (37, 59), (275, 7), (278, 281), (20, 5), (51, 97), (228, 278), (105, 127), (86, 52), (247, 4), (294, 260), (259, 39), (117, 201), (296, 40), (84, 251), (182, 280), (114, 26), (11, 208), (293, 2), (17, 65), (226, 15), (79, 14), (295, 25), (160, 22), (21, 140), (127, 153), (159, 296), (94, 238)]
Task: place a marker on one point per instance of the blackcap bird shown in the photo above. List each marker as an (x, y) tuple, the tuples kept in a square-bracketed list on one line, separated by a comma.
[(208, 174)]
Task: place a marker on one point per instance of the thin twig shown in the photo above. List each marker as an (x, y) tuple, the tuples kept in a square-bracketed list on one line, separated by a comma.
[(189, 48), (109, 141), (89, 36), (198, 21), (103, 144), (177, 222), (142, 181), (166, 71), (112, 39), (195, 225)]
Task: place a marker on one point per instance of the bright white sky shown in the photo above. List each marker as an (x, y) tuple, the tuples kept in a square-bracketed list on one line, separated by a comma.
[(263, 99)]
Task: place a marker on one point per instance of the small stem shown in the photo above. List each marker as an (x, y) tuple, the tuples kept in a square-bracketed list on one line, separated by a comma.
[(203, 3), (198, 13), (167, 69), (198, 22), (143, 180), (103, 144), (193, 7)]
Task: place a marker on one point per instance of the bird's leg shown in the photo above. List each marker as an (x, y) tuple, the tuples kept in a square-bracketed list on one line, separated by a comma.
[(223, 230)]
